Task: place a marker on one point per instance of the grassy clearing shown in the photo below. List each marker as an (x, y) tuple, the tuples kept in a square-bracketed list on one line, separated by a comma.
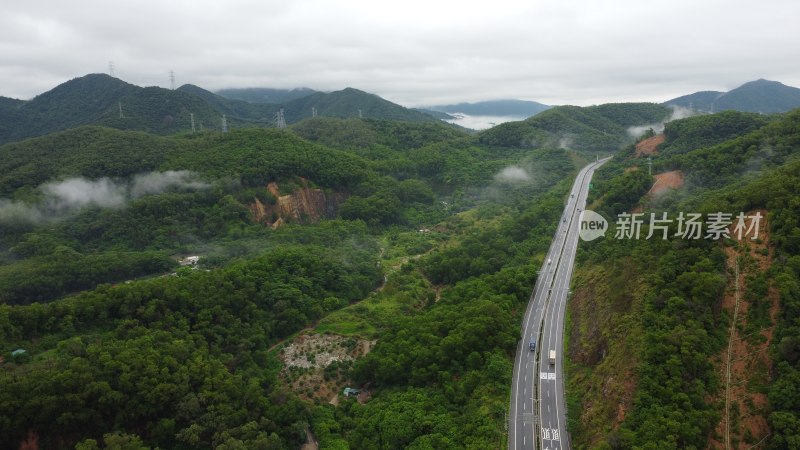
[(405, 290)]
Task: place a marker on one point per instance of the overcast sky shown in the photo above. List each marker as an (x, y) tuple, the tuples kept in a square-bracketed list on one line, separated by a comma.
[(413, 52)]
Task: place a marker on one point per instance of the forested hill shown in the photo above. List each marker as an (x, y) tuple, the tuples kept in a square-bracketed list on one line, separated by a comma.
[(760, 96), (351, 102), (100, 323), (659, 320), (347, 103), (602, 128), (98, 99), (220, 290), (81, 101), (236, 110)]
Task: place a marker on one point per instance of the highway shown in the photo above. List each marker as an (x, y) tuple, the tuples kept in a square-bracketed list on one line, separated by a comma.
[(537, 414)]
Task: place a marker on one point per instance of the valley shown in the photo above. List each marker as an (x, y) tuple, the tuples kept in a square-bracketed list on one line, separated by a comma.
[(395, 254)]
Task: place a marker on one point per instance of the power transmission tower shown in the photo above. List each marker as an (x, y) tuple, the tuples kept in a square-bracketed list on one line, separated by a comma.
[(359, 114), (172, 80), (224, 124), (192, 116), (280, 121), (649, 166), (111, 68), (313, 111), (120, 110)]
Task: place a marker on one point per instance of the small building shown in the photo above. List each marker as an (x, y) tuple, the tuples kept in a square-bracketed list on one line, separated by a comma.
[(351, 392), (18, 352), (189, 261)]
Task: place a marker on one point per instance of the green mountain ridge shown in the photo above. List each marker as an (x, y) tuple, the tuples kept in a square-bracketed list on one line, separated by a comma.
[(99, 99), (760, 96), (349, 103), (602, 128), (235, 109)]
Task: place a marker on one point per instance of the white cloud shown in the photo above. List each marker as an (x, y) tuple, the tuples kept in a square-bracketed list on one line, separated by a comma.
[(678, 112), (156, 182), (75, 193), (62, 198), (512, 174)]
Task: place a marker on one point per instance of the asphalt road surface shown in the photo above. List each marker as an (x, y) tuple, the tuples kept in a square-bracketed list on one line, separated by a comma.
[(537, 416)]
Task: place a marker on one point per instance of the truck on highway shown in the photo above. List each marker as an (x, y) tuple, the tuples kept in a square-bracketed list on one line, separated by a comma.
[(552, 357), (533, 344)]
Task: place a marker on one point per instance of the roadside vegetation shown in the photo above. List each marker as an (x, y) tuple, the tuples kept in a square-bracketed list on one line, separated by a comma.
[(660, 301)]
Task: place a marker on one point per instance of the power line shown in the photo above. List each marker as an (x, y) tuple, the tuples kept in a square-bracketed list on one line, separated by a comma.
[(280, 121)]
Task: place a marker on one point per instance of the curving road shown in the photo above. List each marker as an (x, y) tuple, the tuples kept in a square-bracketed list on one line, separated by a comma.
[(538, 415)]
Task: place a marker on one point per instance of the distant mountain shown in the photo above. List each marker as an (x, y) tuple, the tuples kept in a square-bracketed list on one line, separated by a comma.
[(164, 111), (80, 101), (9, 115), (99, 99), (8, 104), (438, 114), (699, 101), (602, 128), (265, 95), (237, 109), (516, 108), (350, 102), (760, 96)]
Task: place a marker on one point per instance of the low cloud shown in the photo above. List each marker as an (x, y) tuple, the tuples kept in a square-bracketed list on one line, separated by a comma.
[(481, 122), (19, 212), (566, 141), (76, 193), (62, 198), (678, 112), (157, 182), (512, 174)]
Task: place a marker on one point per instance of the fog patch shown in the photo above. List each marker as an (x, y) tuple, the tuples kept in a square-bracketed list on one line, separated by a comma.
[(678, 112), (75, 193), (512, 174), (637, 131), (566, 141), (11, 211), (157, 182), (62, 198), (480, 122)]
